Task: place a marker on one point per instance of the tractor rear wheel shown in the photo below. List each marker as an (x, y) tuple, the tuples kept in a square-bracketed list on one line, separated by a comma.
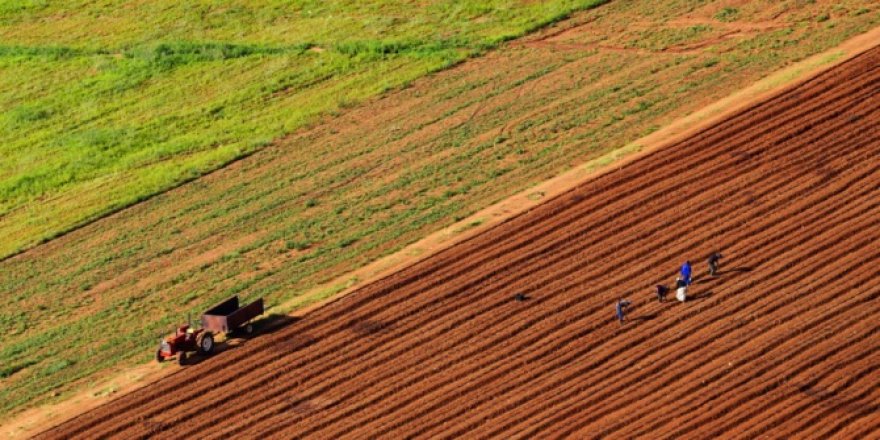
[(206, 342), (249, 329), (181, 357)]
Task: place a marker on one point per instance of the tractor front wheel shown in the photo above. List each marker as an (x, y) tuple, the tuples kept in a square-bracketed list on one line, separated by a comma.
[(159, 357), (206, 342)]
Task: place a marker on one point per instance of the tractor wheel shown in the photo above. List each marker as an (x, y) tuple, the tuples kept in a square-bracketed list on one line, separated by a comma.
[(206, 342), (181, 357), (159, 357), (249, 329)]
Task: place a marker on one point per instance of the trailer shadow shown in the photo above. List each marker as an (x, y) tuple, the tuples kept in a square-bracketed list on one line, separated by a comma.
[(262, 327), (273, 322)]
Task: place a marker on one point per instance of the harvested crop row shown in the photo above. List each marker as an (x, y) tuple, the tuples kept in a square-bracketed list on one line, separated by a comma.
[(441, 350)]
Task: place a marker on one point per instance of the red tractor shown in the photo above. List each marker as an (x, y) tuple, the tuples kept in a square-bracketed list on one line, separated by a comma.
[(184, 340), (225, 317)]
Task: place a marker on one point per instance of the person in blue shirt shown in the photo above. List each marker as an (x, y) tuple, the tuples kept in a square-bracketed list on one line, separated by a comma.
[(686, 272), (621, 309)]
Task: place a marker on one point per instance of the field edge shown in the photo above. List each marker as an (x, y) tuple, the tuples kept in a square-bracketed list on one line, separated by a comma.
[(36, 420)]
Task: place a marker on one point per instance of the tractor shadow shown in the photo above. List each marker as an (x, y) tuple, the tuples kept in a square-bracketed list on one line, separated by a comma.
[(262, 327)]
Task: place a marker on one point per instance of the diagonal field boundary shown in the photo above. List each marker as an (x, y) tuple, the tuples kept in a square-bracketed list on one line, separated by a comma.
[(440, 350), (493, 216)]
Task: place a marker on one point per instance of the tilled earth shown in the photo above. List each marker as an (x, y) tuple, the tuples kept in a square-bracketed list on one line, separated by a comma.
[(784, 342)]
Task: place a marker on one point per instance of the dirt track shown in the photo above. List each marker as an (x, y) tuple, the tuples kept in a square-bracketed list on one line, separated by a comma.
[(785, 341)]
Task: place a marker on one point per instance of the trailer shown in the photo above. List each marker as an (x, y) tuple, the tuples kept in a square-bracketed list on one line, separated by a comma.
[(226, 317)]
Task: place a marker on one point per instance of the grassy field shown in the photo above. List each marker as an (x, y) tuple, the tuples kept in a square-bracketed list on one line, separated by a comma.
[(359, 182), (108, 103)]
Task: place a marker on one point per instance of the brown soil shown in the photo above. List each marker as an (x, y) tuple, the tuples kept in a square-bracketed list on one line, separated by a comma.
[(784, 343)]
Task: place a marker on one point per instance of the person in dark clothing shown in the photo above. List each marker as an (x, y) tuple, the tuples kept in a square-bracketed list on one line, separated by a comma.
[(680, 282), (662, 290), (713, 263), (622, 304)]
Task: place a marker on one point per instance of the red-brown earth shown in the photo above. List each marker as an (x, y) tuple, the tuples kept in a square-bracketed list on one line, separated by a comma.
[(783, 343)]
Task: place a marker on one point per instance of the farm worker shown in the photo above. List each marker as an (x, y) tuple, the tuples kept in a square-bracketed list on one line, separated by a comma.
[(621, 309), (680, 282), (662, 290), (686, 272), (681, 293), (713, 263)]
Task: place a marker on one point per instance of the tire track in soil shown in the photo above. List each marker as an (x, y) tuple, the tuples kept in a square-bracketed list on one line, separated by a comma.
[(487, 258)]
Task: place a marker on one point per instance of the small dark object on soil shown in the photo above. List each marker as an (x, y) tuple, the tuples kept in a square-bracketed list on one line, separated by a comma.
[(520, 297)]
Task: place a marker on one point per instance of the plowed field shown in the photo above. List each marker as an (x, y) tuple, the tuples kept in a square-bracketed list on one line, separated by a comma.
[(305, 217), (784, 342)]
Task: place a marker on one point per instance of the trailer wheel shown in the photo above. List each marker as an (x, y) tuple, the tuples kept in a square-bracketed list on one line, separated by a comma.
[(206, 342), (249, 329), (159, 357), (181, 357)]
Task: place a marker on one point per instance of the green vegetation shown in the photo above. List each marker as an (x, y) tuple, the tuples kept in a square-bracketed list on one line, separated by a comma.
[(110, 103), (727, 14), (329, 197)]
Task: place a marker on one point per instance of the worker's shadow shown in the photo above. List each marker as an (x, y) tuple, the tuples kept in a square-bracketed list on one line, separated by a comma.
[(708, 278), (644, 317), (735, 270), (700, 296)]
